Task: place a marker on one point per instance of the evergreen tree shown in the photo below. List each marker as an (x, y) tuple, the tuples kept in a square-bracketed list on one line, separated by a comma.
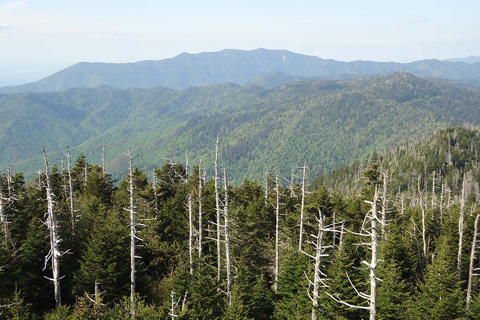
[(440, 296), (293, 301)]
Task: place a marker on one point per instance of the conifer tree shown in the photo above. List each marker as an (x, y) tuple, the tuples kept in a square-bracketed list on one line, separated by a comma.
[(440, 296)]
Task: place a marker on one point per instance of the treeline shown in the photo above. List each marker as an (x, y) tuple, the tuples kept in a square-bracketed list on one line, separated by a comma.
[(421, 254)]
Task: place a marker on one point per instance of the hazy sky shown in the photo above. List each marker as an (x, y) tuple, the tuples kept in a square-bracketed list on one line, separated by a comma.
[(40, 37)]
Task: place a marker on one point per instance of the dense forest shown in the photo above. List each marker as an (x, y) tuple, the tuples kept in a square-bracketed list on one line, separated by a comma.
[(394, 237), (323, 124)]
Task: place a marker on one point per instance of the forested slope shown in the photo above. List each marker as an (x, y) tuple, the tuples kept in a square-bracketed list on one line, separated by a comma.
[(325, 124), (424, 241)]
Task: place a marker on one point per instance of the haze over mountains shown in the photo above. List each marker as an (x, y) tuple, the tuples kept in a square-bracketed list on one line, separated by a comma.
[(240, 67)]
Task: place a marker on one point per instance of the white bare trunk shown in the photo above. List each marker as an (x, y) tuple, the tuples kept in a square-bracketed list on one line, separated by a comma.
[(217, 204), (471, 269), (200, 214), (155, 192), (73, 218), (460, 228), (384, 207), (334, 236), (424, 228), (132, 237), (300, 240), (54, 237), (266, 186), (172, 310), (103, 161), (186, 165), (227, 242), (374, 261), (190, 232), (318, 257), (85, 173), (277, 234), (4, 218), (433, 190)]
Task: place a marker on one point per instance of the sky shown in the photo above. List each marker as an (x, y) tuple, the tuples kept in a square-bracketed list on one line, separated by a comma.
[(38, 38)]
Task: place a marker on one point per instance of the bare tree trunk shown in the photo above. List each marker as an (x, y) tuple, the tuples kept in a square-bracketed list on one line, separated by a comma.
[(97, 294), (266, 186), (334, 236), (384, 207), (155, 192), (227, 243), (318, 257), (4, 218), (132, 238), (71, 195), (374, 260), (64, 179), (424, 228), (200, 213), (471, 269), (85, 173), (371, 232), (190, 232), (186, 165), (54, 237), (103, 161), (172, 312), (277, 234), (433, 190), (300, 240), (460, 228), (217, 203)]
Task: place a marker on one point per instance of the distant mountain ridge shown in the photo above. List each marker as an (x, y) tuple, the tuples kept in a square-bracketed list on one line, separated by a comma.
[(469, 59), (235, 66)]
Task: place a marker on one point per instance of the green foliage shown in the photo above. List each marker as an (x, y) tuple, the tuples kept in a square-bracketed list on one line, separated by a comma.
[(293, 302), (440, 295), (277, 128), (411, 286)]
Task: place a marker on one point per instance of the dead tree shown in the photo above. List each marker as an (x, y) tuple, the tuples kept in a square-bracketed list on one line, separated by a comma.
[(424, 227), (190, 232), (104, 172), (277, 234), (3, 217), (227, 242), (472, 271), (71, 195), (200, 213), (133, 235), (319, 278), (266, 186), (460, 228), (302, 209), (372, 233), (217, 204), (54, 254), (155, 192), (173, 307), (384, 206), (85, 169)]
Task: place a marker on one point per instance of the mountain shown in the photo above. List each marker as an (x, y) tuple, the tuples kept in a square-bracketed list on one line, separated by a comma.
[(235, 66), (325, 124), (469, 59)]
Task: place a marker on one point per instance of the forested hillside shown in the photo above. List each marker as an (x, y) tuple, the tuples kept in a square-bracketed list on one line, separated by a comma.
[(236, 66), (325, 124), (400, 246)]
